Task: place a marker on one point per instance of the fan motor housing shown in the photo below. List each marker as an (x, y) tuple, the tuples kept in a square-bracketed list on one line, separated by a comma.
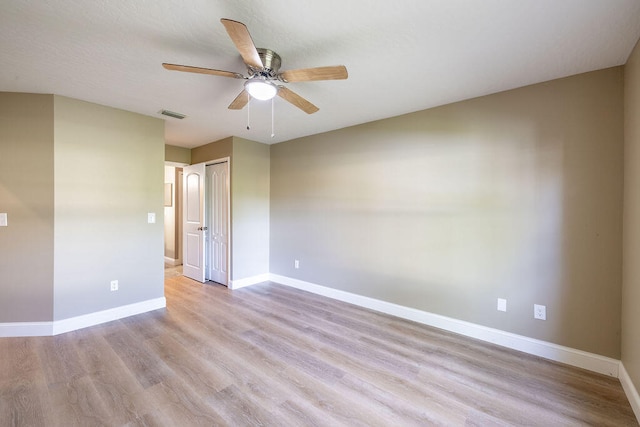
[(270, 60)]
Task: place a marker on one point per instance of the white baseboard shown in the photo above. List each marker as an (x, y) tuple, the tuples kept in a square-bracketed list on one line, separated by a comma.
[(104, 316), (630, 390), (254, 280), (570, 356), (39, 329), (26, 329), (172, 261)]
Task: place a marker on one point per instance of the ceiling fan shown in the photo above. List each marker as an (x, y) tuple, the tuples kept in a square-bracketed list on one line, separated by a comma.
[(263, 66)]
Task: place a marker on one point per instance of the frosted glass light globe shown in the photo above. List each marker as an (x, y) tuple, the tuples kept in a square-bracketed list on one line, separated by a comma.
[(261, 89)]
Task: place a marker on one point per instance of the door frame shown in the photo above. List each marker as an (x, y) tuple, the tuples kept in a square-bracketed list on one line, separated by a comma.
[(178, 217), (177, 202)]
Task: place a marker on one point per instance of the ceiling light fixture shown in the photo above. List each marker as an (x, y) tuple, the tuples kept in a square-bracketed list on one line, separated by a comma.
[(261, 89)]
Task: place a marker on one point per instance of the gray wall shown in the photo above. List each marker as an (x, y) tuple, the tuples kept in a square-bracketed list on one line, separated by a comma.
[(26, 195), (77, 180), (516, 195), (631, 264), (109, 172), (250, 185)]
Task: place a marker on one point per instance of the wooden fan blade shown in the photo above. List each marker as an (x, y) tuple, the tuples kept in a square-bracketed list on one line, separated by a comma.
[(338, 72), (176, 67), (296, 100), (242, 39), (240, 101)]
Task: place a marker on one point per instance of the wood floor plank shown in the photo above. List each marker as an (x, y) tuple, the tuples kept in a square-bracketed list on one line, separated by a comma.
[(23, 399), (180, 406), (239, 409), (273, 355), (391, 407), (59, 360), (339, 337), (301, 415), (293, 357), (145, 366), (338, 408), (201, 375), (118, 388), (77, 403), (490, 362), (146, 326), (250, 369), (152, 419)]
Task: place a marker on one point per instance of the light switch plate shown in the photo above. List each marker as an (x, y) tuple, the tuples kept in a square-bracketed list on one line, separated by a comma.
[(151, 218), (3, 219)]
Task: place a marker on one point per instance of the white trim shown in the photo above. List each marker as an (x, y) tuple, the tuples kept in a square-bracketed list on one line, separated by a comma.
[(42, 329), (104, 316), (570, 356), (630, 390), (206, 163), (172, 261), (176, 164), (253, 280), (226, 160), (26, 329)]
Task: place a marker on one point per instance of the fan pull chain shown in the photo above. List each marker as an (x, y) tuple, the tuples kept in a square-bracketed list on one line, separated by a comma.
[(273, 132), (248, 112)]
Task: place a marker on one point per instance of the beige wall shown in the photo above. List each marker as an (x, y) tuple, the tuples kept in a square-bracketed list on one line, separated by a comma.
[(631, 221), (26, 195), (77, 180), (212, 151), (177, 154), (250, 170), (108, 176), (516, 195)]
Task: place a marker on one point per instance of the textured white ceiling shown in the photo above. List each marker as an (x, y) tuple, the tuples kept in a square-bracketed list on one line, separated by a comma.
[(402, 56)]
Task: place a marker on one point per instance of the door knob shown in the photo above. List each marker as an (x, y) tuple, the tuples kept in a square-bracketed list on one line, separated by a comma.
[(202, 228)]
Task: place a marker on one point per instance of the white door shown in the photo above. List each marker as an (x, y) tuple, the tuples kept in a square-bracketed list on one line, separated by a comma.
[(217, 200), (193, 222)]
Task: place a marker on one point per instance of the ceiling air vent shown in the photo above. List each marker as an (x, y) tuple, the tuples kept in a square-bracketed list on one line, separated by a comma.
[(172, 114)]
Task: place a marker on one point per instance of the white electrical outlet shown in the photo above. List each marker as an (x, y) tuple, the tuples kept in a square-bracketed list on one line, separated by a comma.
[(114, 285), (502, 304), (3, 219), (540, 312), (151, 218), (296, 264)]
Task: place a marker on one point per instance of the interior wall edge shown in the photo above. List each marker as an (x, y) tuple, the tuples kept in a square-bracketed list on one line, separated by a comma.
[(248, 281), (630, 390)]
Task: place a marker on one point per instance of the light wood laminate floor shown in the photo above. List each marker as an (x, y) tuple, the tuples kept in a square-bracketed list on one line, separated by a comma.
[(272, 355)]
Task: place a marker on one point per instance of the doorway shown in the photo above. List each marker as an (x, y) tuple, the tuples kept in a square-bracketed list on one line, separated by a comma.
[(172, 214), (217, 220), (206, 236)]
